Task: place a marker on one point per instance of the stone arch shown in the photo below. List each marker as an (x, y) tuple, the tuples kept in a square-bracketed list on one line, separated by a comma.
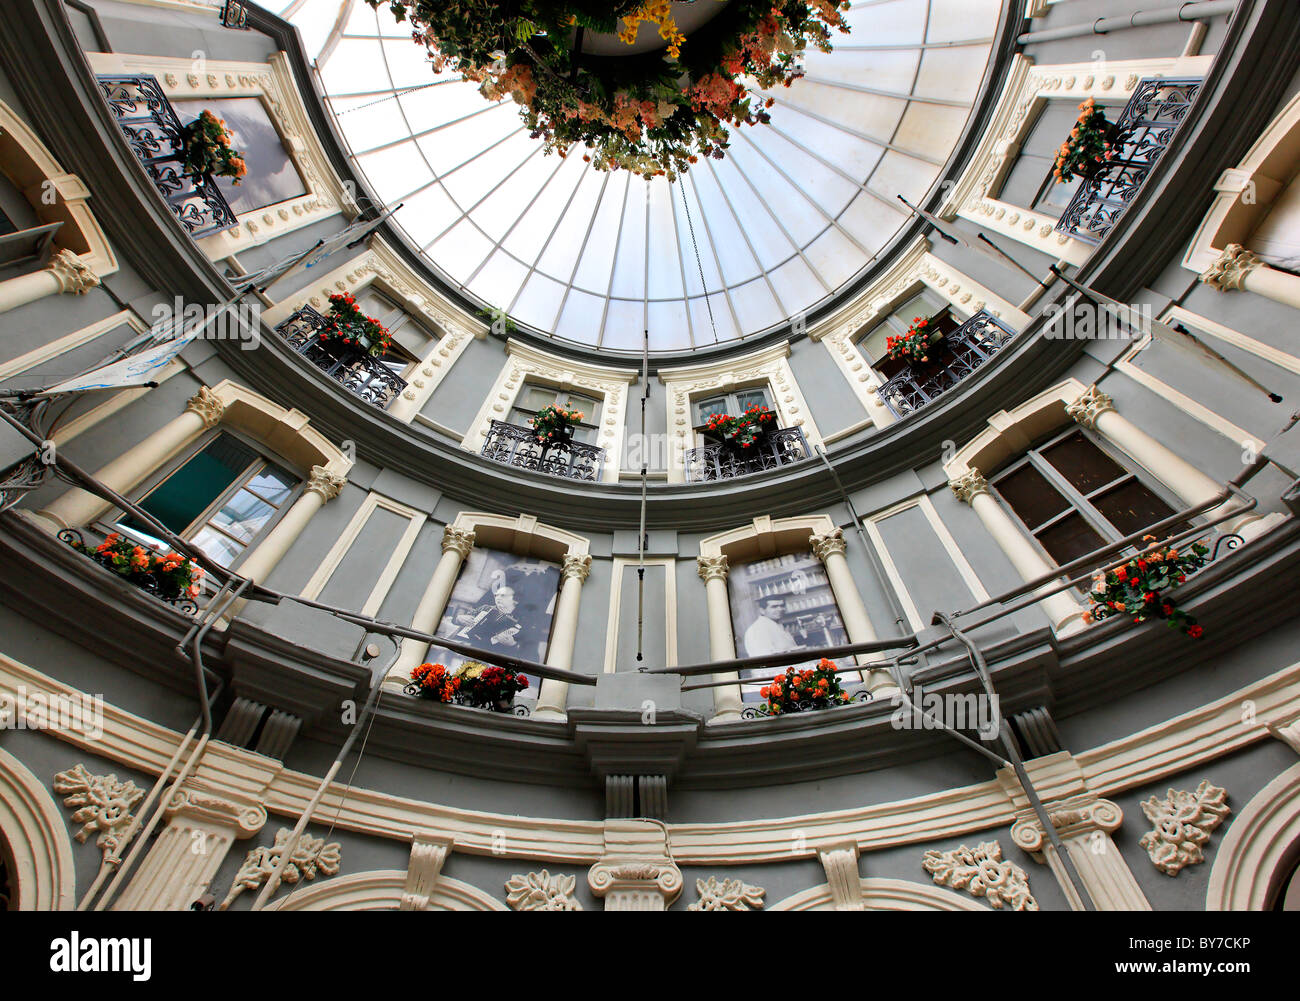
[(880, 894), (44, 875), (1259, 850)]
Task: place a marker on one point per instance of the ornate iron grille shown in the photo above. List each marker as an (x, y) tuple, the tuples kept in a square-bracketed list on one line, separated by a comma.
[(962, 352), (234, 15), (717, 461), (513, 445), (359, 372), (1143, 132), (154, 132)]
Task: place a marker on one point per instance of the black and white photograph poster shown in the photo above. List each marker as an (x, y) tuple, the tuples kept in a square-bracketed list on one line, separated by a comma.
[(779, 605)]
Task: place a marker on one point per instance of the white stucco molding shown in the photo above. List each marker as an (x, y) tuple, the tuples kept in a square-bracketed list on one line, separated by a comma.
[(1028, 88), (525, 363), (1176, 746), (1011, 432), (769, 367), (765, 537), (523, 535), (271, 83), (913, 270), (44, 875), (383, 890), (1245, 194), (883, 895), (82, 255), (1257, 853), (382, 268)]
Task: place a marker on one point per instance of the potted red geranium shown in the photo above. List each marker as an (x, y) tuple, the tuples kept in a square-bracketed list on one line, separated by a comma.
[(915, 346), (1089, 146), (745, 431), (1140, 587), (801, 691), (346, 326), (206, 149)]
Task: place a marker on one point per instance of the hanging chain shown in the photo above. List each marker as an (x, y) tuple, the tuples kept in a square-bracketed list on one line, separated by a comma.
[(696, 246)]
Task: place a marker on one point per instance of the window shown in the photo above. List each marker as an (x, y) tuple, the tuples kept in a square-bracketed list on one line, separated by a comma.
[(220, 499), (927, 304), (411, 338), (1074, 497), (533, 398), (734, 404)]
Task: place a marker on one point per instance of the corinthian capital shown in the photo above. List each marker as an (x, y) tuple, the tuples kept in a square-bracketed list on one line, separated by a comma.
[(72, 273), (1231, 269), (325, 483), (712, 567), (830, 544), (969, 485), (576, 566), (207, 405), (459, 540), (1089, 407)]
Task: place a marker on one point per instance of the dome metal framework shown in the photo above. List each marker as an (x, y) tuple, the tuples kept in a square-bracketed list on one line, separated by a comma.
[(736, 247)]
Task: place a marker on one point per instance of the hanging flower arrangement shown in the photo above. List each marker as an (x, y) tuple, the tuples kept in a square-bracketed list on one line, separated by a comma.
[(1139, 587), (1088, 147), (171, 576), (555, 423), (800, 691), (913, 346), (206, 149), (652, 113), (347, 325), (742, 431)]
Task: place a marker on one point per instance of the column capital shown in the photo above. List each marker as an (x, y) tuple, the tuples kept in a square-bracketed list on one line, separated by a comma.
[(1089, 407), (207, 405), (1080, 815), (325, 483), (1229, 271), (576, 566), (830, 544), (459, 540), (244, 817), (712, 567), (969, 485), (72, 274)]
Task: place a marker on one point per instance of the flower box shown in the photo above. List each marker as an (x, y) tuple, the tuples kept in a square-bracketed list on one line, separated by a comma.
[(482, 686), (1140, 587), (169, 577), (803, 691)]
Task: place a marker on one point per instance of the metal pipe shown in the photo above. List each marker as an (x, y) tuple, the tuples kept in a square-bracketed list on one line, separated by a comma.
[(1138, 19)]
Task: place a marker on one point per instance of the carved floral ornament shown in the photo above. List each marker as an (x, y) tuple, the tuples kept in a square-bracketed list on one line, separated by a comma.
[(982, 872), (576, 566), (1182, 824), (208, 405), (711, 567), (100, 803), (540, 891), (1230, 270), (310, 857), (458, 540), (72, 274), (830, 544), (727, 895), (325, 482)]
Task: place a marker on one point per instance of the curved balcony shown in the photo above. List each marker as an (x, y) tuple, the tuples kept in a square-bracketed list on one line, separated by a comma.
[(517, 446), (719, 461), (956, 356), (357, 371)]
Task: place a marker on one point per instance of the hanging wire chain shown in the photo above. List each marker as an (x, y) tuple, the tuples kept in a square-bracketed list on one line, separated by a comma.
[(389, 97), (704, 285)]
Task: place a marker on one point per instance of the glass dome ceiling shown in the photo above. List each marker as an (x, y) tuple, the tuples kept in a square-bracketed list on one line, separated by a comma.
[(734, 248)]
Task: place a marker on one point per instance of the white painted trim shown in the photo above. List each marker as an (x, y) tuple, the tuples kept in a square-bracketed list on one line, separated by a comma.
[(44, 876), (884, 895), (70, 342), (1177, 314), (348, 537), (1248, 862), (621, 564), (382, 890)]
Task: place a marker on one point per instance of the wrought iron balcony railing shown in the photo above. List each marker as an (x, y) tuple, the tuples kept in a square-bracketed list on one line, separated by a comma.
[(518, 446), (155, 134), (955, 357), (359, 372), (1143, 132), (718, 461)]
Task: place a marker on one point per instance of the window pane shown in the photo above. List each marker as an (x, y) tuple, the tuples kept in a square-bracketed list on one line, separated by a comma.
[(707, 408), (751, 398), (1082, 463), (273, 485), (243, 516), (188, 492), (1132, 507), (216, 546), (1070, 538), (1031, 496)]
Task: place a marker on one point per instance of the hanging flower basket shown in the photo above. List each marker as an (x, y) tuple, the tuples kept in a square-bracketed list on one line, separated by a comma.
[(1089, 147), (803, 691), (916, 346), (170, 576), (650, 113), (206, 149), (347, 327), (553, 425), (744, 432), (1140, 587)]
